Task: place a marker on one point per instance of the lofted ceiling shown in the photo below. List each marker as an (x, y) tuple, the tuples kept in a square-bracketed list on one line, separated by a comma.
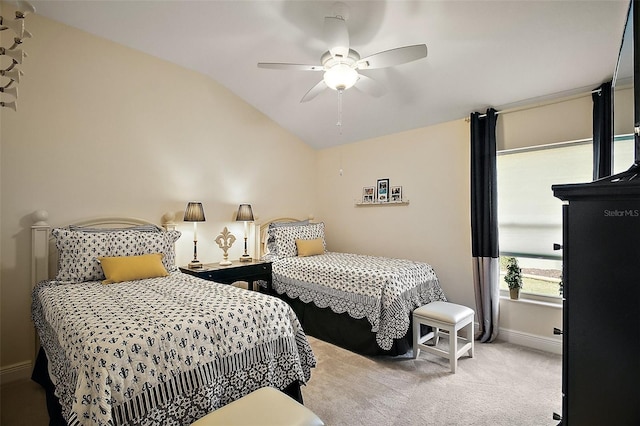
[(480, 54)]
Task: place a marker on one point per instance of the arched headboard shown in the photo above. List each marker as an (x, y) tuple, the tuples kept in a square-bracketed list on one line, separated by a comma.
[(44, 256)]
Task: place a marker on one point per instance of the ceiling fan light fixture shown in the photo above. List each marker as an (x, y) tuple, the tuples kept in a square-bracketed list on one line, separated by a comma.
[(340, 77)]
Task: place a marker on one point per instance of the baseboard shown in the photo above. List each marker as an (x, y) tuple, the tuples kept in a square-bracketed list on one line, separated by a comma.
[(15, 372), (531, 341)]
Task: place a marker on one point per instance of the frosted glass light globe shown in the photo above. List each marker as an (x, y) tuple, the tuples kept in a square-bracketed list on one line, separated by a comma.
[(340, 77)]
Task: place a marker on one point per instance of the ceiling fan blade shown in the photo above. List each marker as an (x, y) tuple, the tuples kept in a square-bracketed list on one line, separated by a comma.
[(336, 35), (397, 56), (370, 86), (295, 67), (315, 91)]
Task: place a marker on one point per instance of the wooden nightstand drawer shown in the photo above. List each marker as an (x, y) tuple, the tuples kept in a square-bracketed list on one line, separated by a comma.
[(237, 271)]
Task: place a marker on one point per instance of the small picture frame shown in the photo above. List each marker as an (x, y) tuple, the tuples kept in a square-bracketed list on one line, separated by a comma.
[(396, 194), (368, 194), (382, 190)]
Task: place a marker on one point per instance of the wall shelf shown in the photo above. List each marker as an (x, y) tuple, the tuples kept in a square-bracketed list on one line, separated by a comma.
[(388, 203)]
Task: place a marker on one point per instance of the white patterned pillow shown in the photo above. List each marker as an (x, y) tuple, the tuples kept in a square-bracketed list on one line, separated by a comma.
[(78, 251), (271, 241), (285, 237), (88, 247), (124, 243), (65, 244), (160, 242)]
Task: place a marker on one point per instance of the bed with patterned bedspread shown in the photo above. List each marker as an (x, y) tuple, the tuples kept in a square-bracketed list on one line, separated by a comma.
[(164, 350), (382, 291), (127, 339)]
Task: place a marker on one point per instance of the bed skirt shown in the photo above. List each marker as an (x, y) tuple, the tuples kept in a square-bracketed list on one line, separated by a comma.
[(40, 375), (344, 331)]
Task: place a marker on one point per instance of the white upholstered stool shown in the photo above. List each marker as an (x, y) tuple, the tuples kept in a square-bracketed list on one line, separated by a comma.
[(265, 406), (444, 316)]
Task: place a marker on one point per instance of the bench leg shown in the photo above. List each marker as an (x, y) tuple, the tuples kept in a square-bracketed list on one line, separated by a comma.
[(470, 338), (453, 349), (416, 338)]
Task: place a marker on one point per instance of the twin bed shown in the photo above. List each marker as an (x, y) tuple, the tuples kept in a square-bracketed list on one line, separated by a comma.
[(128, 339), (361, 303), (142, 343)]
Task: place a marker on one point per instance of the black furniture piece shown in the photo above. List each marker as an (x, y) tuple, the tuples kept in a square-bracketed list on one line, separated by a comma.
[(238, 271), (601, 308)]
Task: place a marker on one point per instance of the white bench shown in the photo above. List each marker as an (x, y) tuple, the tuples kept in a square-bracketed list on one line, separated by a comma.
[(444, 316), (265, 407)]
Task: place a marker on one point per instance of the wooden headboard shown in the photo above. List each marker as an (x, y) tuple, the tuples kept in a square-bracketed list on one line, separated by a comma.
[(261, 236), (44, 255)]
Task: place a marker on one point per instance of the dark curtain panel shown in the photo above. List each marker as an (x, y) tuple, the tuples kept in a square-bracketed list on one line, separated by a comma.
[(484, 223), (602, 132)]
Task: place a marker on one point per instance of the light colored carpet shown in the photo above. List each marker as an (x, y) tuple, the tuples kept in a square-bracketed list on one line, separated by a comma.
[(503, 384), (23, 404)]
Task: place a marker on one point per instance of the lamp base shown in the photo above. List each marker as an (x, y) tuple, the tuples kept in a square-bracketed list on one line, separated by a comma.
[(195, 264), (245, 258), (226, 262)]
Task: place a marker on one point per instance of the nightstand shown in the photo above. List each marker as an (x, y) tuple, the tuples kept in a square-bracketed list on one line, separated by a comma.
[(237, 271)]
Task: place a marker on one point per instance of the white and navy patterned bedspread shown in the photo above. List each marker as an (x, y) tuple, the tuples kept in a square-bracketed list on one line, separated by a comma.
[(384, 290), (164, 350)]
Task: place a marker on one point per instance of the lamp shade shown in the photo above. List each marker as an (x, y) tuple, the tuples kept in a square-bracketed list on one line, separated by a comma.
[(194, 212), (245, 214)]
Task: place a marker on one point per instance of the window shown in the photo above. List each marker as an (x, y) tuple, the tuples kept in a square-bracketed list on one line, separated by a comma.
[(530, 217), (623, 153), (541, 278)]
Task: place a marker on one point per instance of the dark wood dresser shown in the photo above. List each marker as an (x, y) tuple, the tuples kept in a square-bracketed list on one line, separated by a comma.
[(601, 307)]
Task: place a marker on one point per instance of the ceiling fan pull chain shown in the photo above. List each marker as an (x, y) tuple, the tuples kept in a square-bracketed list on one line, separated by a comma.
[(339, 123)]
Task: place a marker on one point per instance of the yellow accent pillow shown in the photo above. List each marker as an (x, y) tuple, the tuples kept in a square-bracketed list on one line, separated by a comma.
[(129, 268), (309, 247)]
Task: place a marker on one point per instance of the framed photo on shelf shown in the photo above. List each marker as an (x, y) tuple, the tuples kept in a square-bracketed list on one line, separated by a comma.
[(396, 193), (383, 190), (368, 194)]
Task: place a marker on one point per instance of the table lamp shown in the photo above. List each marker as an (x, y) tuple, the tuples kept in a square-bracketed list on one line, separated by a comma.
[(194, 213), (245, 214)]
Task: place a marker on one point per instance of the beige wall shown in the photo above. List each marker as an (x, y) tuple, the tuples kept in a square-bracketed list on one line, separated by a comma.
[(562, 121), (105, 130), (432, 166), (557, 122)]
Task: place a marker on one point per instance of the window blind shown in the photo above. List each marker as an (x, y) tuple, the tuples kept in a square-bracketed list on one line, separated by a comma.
[(529, 216)]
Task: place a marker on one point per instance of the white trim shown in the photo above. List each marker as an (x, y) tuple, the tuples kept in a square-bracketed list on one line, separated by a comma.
[(533, 299), (527, 340), (531, 340), (15, 372)]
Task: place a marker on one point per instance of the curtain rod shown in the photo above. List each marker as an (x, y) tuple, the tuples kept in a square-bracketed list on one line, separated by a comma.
[(540, 104)]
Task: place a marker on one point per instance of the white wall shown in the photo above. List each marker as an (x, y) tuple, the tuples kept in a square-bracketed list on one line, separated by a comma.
[(105, 130)]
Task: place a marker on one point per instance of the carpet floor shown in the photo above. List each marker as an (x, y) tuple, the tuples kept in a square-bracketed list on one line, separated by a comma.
[(503, 384)]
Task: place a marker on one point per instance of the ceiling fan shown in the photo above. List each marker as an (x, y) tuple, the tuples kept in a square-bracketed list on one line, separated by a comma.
[(341, 63)]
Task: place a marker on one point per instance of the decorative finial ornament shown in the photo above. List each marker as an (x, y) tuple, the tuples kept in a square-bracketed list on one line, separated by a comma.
[(225, 240)]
